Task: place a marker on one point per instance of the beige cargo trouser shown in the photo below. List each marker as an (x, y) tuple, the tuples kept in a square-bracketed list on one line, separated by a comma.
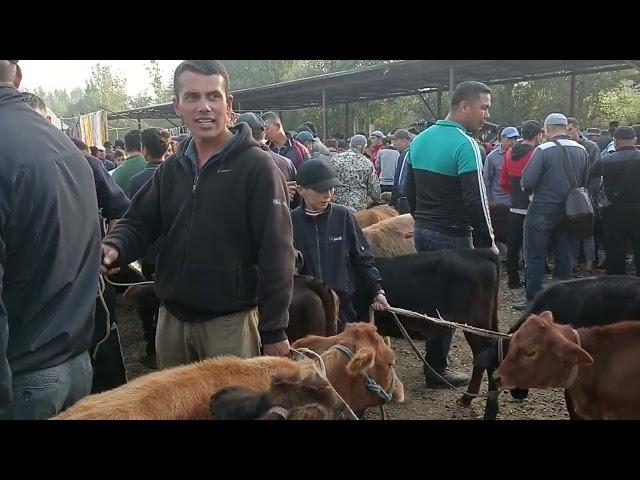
[(179, 343)]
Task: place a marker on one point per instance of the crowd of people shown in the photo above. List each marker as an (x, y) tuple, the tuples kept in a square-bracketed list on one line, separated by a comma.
[(215, 217)]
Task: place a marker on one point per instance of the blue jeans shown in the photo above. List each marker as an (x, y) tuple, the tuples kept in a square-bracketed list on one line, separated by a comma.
[(589, 245), (41, 394), (439, 344), (544, 225)]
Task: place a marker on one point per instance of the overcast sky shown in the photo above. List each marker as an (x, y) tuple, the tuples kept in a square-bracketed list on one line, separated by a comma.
[(69, 74)]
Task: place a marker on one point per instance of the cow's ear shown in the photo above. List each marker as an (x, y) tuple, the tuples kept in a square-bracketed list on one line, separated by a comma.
[(575, 355), (362, 361)]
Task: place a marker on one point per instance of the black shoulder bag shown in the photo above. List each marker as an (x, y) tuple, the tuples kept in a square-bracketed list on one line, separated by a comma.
[(578, 206)]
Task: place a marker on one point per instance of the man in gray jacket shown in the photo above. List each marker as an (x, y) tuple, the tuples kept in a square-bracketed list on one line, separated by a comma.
[(493, 165), (545, 176), (49, 261)]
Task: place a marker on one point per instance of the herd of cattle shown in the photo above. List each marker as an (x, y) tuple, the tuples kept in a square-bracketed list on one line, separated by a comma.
[(579, 335)]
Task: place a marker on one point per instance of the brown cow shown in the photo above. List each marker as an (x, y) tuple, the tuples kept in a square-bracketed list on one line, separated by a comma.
[(367, 355), (183, 393), (599, 366), (373, 215), (392, 237)]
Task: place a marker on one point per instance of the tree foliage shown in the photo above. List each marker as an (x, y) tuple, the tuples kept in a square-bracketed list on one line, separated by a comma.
[(599, 97)]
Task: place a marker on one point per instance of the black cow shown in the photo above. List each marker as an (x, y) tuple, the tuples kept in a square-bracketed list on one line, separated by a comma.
[(581, 303), (462, 285)]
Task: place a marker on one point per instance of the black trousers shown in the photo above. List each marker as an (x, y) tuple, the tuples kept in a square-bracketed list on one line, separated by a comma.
[(148, 312), (514, 244), (621, 227)]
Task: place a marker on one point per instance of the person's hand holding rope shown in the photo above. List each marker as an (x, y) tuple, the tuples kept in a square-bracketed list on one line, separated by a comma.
[(380, 301), (109, 257)]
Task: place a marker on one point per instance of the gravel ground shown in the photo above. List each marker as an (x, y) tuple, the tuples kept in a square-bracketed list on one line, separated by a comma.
[(420, 403)]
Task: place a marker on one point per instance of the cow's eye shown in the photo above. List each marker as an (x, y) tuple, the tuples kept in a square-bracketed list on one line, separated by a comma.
[(529, 354)]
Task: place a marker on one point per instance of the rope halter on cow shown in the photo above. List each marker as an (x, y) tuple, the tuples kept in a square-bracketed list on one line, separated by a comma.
[(574, 370), (369, 382)]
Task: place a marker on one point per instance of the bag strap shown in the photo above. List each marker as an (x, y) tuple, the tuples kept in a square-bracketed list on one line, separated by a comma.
[(566, 166)]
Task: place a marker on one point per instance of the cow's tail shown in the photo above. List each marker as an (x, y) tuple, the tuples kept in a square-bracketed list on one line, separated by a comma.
[(330, 303)]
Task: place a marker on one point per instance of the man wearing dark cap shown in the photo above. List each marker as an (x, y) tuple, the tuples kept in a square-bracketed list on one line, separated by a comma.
[(545, 223), (318, 146), (493, 166), (515, 160), (326, 234), (620, 171), (307, 139)]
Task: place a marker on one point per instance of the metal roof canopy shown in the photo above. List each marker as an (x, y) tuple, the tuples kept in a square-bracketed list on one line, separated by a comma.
[(394, 79)]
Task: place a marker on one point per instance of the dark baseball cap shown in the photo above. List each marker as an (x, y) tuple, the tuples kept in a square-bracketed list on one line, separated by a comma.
[(318, 175), (530, 129), (624, 133), (304, 137), (255, 122), (401, 134)]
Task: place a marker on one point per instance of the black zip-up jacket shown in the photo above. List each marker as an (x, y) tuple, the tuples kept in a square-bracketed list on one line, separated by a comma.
[(334, 247), (227, 235), (620, 171), (49, 244)]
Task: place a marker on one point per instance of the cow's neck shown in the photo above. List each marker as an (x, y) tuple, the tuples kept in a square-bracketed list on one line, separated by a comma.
[(607, 388), (336, 374)]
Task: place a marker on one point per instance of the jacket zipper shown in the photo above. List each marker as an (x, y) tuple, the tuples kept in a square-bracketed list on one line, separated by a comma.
[(186, 248), (318, 250)]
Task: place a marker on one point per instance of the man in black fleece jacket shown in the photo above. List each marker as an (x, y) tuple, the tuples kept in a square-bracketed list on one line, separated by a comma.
[(222, 206)]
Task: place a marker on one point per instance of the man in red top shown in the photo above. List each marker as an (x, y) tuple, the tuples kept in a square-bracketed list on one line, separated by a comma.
[(515, 160), (376, 139)]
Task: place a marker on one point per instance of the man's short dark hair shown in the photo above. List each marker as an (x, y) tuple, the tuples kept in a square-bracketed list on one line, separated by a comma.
[(574, 122), (271, 117), (133, 141), (94, 150), (530, 129), (107, 144), (468, 91), (203, 67), (119, 144), (156, 141), (34, 101)]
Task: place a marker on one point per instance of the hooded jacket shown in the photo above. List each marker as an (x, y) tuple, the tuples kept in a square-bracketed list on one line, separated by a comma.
[(228, 242), (515, 160)]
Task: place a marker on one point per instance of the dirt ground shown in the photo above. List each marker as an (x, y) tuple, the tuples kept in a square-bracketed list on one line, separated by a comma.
[(420, 403)]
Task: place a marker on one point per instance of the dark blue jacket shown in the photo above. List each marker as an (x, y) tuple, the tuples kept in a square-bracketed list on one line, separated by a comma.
[(49, 244), (112, 202), (335, 250)]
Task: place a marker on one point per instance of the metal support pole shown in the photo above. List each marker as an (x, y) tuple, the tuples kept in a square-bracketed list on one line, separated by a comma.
[(324, 116), (452, 85), (346, 118), (439, 105), (572, 97)]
